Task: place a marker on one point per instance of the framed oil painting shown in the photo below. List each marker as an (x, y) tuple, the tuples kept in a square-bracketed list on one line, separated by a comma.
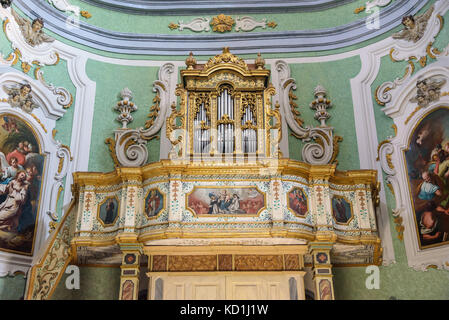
[(341, 209), (21, 175), (427, 160), (154, 203), (297, 202), (108, 212), (226, 201)]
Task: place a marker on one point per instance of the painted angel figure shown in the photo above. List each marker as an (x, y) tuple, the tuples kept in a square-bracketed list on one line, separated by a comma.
[(32, 31), (414, 27), (20, 96), (11, 208)]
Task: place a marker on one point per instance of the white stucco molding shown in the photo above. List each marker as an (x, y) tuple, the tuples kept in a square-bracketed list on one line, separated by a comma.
[(402, 50), (57, 160), (83, 114), (367, 140), (406, 116), (131, 144), (43, 54)]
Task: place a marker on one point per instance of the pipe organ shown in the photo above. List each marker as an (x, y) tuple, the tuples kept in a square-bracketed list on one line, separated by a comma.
[(225, 117), (225, 110)]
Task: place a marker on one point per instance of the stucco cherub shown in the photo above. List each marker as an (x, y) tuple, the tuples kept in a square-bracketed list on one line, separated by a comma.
[(428, 90), (20, 96), (32, 31), (414, 27), (5, 3)]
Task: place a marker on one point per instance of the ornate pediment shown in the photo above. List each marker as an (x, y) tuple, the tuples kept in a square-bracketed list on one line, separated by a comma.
[(226, 58)]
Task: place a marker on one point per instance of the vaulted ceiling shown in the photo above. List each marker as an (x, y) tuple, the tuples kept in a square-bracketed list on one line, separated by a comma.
[(336, 25)]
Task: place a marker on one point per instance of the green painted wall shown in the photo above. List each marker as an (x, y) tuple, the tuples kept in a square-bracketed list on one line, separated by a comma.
[(95, 284), (150, 24), (140, 81), (12, 288), (397, 281), (308, 76)]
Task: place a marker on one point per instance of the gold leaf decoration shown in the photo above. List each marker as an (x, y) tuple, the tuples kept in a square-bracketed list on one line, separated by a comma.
[(336, 150), (154, 111), (399, 228), (226, 57), (86, 14), (272, 24), (111, 143), (293, 107), (26, 67), (222, 23), (358, 10), (395, 128), (173, 26)]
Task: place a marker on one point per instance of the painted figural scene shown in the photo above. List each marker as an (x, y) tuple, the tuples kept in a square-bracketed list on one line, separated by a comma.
[(341, 209), (226, 201), (20, 185), (154, 203), (428, 173), (297, 201), (109, 211)]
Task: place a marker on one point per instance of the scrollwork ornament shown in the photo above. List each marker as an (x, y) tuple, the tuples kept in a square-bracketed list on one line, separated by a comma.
[(196, 25), (131, 148), (65, 98), (319, 147), (385, 152), (64, 155), (248, 23), (131, 144)]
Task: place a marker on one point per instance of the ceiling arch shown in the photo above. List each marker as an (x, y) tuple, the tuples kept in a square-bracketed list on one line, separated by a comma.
[(208, 44), (186, 7)]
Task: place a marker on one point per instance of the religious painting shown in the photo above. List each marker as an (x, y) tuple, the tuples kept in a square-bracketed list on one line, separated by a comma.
[(427, 161), (127, 290), (226, 200), (325, 290), (341, 209), (154, 203), (108, 212), (297, 202), (21, 176)]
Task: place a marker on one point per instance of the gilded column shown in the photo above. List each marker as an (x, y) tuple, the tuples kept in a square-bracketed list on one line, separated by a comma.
[(322, 270), (130, 270)]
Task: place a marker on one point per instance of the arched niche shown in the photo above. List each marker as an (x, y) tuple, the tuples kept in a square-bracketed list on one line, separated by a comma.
[(56, 158), (427, 165), (407, 155)]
